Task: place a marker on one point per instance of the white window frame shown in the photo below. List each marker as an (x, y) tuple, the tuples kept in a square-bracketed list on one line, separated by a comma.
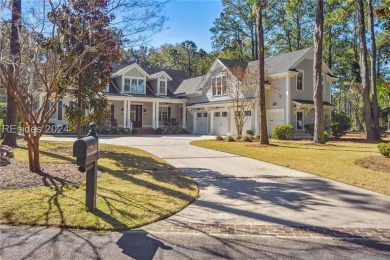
[(54, 116), (303, 121), (220, 88), (303, 80), (136, 78), (158, 86)]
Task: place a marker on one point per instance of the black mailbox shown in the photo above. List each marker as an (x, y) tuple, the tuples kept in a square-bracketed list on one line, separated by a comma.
[(86, 151)]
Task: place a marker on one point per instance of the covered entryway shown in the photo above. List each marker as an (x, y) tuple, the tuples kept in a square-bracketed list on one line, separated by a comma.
[(136, 115), (220, 123), (201, 123), (275, 117)]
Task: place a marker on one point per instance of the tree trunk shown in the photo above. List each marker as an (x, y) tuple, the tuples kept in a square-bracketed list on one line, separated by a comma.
[(261, 94), (364, 73), (319, 124), (375, 107), (11, 118)]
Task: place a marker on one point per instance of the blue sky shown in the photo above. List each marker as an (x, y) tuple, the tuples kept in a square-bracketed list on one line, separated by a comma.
[(189, 20)]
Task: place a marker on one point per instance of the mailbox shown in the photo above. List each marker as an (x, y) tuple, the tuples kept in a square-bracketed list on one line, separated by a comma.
[(86, 151)]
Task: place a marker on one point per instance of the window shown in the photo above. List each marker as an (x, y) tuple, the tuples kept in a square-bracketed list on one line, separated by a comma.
[(323, 82), (163, 114), (54, 115), (248, 113), (299, 120), (219, 86), (204, 114), (224, 114), (112, 112), (198, 114), (300, 81), (162, 89), (217, 114), (36, 105), (134, 85)]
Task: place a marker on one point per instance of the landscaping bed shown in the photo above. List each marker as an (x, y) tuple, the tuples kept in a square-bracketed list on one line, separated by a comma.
[(135, 188)]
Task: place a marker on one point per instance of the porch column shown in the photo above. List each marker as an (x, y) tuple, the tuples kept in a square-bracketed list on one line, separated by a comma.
[(154, 116), (157, 113), (129, 125), (211, 117), (124, 113), (288, 103), (184, 117)]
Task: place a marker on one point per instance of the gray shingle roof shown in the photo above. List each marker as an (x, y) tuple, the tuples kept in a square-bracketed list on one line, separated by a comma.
[(189, 85), (273, 65)]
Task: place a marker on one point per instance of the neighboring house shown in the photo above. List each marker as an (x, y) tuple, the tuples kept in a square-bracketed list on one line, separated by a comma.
[(289, 95), (141, 97)]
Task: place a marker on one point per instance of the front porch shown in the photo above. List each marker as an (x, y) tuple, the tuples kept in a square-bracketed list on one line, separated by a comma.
[(138, 114)]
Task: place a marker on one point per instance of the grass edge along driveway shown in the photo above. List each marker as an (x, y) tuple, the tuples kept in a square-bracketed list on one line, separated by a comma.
[(137, 188), (335, 160)]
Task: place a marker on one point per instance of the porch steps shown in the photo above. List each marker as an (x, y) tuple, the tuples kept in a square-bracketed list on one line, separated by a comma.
[(145, 131)]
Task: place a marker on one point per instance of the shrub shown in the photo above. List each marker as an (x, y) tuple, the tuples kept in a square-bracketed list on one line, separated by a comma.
[(1, 127), (257, 137), (384, 149), (230, 138), (104, 131), (159, 131), (114, 131), (341, 123), (283, 132), (134, 131), (309, 129), (326, 136), (238, 137), (249, 132), (218, 138), (246, 138)]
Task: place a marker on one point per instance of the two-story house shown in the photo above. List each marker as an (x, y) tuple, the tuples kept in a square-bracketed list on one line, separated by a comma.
[(142, 97), (289, 95)]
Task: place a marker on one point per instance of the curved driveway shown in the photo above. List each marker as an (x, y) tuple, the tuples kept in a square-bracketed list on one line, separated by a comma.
[(239, 190)]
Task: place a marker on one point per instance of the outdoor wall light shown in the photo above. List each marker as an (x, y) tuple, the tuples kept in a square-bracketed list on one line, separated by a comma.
[(145, 111), (122, 111)]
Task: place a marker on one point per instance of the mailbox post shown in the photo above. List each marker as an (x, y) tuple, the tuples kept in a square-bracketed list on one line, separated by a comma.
[(86, 152)]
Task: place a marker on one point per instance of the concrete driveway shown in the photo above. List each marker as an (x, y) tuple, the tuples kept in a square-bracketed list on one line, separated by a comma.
[(239, 190), (247, 210)]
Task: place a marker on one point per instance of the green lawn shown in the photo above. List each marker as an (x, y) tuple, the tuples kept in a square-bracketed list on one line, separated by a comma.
[(137, 188), (335, 160)]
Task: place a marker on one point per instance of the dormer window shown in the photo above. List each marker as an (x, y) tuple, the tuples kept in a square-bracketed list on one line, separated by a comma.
[(162, 90), (134, 85), (218, 85)]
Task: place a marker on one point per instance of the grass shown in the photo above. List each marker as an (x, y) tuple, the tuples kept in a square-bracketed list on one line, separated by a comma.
[(136, 188), (335, 160)]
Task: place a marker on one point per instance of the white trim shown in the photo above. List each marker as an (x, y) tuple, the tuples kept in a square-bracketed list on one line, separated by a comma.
[(288, 105), (158, 86), (137, 78), (303, 120), (124, 70)]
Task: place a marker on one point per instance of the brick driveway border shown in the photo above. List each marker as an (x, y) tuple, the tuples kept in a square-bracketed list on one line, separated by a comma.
[(375, 234)]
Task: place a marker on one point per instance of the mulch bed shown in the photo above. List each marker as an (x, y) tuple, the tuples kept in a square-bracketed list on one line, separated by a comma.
[(377, 163), (16, 174)]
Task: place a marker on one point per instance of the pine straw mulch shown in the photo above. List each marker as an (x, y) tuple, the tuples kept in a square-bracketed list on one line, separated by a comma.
[(377, 163), (15, 174)]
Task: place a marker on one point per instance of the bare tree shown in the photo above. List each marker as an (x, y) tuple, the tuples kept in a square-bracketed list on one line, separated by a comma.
[(319, 120), (241, 87), (14, 42), (375, 106), (364, 73), (259, 6), (36, 80)]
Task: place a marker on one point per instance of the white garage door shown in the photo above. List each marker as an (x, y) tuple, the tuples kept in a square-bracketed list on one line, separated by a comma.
[(220, 123), (201, 119), (274, 117)]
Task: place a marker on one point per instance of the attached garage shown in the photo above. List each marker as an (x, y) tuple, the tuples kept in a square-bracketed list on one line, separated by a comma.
[(220, 123), (201, 122), (275, 117)]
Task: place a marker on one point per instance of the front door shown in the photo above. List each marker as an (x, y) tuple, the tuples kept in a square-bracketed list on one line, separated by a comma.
[(136, 115)]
